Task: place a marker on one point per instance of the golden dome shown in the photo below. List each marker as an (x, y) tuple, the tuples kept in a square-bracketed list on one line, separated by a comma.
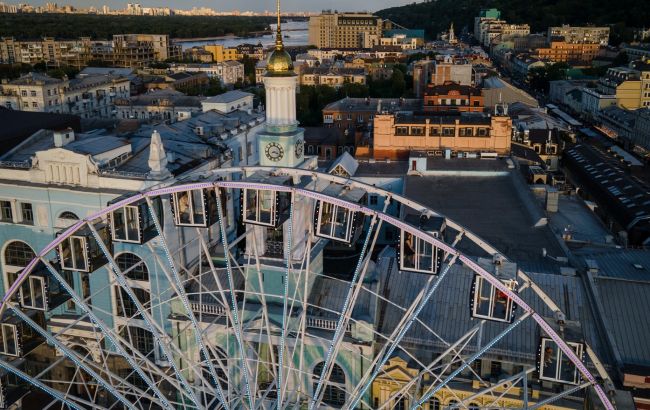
[(279, 63)]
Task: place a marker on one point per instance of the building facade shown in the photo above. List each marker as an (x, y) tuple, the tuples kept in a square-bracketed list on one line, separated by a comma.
[(395, 136), (453, 97), (343, 30), (580, 35), (91, 96)]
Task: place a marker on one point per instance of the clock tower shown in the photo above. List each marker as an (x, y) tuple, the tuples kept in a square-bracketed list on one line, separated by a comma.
[(282, 142)]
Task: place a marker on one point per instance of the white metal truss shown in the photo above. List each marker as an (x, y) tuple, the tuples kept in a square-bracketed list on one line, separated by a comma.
[(210, 299)]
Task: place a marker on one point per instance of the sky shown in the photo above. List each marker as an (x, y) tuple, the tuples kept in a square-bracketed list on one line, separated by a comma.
[(227, 5)]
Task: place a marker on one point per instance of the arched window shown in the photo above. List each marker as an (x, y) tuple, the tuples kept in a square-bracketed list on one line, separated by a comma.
[(15, 257), (132, 266), (18, 254), (474, 406), (434, 404), (69, 216), (140, 338), (334, 389), (453, 404)]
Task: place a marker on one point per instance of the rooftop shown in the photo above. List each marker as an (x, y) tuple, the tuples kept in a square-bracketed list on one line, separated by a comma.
[(228, 97), (374, 104), (497, 208), (19, 125)]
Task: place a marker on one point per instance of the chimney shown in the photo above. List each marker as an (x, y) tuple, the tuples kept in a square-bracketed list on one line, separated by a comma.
[(157, 157), (63, 137), (379, 106)]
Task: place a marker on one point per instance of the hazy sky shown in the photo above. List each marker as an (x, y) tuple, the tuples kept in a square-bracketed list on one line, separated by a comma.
[(256, 5)]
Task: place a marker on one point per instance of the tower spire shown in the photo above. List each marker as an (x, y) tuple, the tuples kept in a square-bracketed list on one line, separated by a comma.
[(278, 38)]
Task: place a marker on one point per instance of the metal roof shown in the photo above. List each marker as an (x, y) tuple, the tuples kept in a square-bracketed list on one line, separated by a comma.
[(626, 305), (228, 97), (347, 162)]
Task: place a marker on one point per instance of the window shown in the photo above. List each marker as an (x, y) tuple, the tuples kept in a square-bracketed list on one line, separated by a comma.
[(490, 303), (448, 132), (373, 199), (418, 255), (555, 365), (140, 338), (401, 131), (434, 404), (401, 404), (126, 307), (23, 93), (27, 213), (32, 293), (18, 254), (69, 216), (125, 224), (132, 266), (418, 131), (72, 252), (34, 104), (482, 132), (6, 213), (334, 388), (8, 340), (434, 131)]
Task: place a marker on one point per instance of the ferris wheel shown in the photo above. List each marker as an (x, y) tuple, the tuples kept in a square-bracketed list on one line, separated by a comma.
[(284, 288)]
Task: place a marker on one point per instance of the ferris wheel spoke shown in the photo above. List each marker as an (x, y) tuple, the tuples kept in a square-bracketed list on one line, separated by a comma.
[(505, 385), (160, 336), (434, 389), (107, 333), (288, 262), (560, 395), (42, 386), (72, 356), (454, 350), (400, 331), (177, 285), (353, 292), (234, 310)]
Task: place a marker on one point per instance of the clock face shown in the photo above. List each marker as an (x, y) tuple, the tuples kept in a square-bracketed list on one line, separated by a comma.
[(274, 152), (300, 148)]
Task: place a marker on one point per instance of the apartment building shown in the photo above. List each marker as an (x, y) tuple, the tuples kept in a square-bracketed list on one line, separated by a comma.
[(351, 113), (343, 30), (221, 53), (331, 76), (55, 52), (630, 85), (158, 105), (560, 51), (229, 72), (580, 35), (87, 96), (396, 135), (198, 54)]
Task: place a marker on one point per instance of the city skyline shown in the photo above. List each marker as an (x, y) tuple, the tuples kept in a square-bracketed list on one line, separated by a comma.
[(252, 5)]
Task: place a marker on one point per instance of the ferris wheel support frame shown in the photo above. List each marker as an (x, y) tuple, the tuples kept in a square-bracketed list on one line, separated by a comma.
[(468, 262)]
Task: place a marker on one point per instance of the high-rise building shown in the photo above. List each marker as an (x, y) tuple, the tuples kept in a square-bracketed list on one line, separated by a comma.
[(343, 30)]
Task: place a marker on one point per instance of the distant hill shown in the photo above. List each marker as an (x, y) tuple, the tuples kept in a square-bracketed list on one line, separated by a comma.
[(436, 15)]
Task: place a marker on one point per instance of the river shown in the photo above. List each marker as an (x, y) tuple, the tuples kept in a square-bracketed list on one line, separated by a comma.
[(295, 34)]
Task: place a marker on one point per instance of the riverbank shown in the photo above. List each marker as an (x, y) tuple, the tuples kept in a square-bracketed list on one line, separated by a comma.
[(296, 34)]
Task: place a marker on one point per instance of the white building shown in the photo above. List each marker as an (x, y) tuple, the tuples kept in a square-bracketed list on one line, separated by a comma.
[(88, 96), (229, 72), (229, 102)]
